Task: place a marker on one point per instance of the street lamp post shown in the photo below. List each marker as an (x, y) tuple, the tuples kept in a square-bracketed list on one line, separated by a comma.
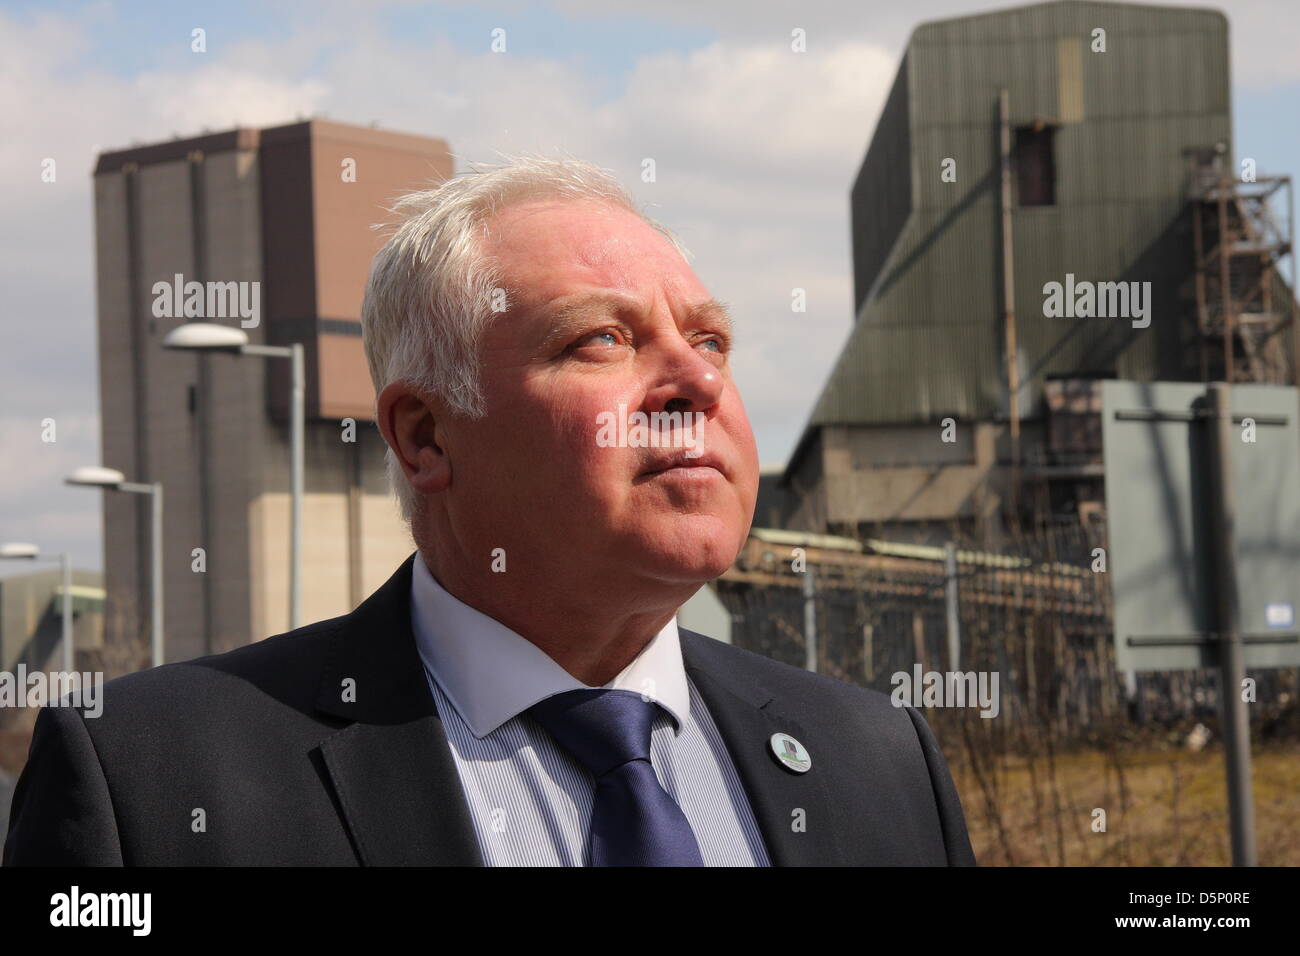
[(92, 476), (31, 553), (210, 337)]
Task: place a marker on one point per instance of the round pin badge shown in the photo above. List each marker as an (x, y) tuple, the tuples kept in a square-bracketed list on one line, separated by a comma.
[(790, 753)]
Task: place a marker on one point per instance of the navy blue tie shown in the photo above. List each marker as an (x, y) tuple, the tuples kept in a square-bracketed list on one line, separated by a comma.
[(634, 822)]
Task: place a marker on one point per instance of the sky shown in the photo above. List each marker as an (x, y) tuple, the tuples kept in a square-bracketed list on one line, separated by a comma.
[(755, 148)]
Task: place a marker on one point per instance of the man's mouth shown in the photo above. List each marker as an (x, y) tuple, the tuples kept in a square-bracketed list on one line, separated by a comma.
[(682, 462)]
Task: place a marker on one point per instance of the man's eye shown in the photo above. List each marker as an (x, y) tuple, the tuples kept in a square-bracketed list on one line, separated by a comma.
[(611, 334), (717, 345)]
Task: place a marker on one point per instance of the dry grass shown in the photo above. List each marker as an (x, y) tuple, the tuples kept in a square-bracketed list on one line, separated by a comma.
[(1163, 808)]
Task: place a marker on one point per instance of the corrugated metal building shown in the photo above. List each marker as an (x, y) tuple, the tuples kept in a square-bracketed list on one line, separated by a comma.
[(1101, 125)]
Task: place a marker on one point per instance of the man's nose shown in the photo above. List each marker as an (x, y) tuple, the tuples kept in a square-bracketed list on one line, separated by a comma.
[(688, 382)]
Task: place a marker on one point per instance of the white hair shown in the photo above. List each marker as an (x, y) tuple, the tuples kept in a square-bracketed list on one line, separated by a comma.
[(431, 291)]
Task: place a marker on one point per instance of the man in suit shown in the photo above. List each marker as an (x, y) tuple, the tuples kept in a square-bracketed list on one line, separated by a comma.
[(574, 460)]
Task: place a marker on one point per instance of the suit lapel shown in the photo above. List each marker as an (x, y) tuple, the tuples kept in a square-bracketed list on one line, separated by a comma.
[(391, 767), (747, 716)]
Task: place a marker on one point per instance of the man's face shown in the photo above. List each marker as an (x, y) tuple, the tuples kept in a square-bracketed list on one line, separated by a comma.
[(604, 318)]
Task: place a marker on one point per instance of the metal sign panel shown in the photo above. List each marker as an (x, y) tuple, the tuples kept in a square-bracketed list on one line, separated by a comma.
[(1156, 447)]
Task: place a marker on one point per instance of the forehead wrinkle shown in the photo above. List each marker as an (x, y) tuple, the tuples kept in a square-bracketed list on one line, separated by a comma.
[(600, 251)]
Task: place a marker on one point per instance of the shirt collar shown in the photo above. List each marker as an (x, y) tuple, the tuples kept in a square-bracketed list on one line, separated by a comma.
[(492, 674)]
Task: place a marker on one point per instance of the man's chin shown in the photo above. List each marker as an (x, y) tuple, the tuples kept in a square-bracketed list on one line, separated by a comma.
[(692, 556)]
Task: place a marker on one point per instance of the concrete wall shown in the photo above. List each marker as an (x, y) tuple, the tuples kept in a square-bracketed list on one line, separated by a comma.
[(381, 541), (806, 489), (856, 475)]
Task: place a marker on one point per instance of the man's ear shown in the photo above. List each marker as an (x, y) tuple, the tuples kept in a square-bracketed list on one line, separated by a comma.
[(408, 421)]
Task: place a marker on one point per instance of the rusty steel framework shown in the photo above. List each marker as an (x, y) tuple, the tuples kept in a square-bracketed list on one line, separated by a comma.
[(1240, 236)]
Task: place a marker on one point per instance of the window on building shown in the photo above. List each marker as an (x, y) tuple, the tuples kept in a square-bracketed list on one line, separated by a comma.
[(1035, 164)]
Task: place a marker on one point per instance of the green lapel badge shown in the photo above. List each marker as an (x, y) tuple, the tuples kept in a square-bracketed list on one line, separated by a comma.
[(790, 753)]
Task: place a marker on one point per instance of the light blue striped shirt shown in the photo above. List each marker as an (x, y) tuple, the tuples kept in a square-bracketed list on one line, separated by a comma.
[(530, 802)]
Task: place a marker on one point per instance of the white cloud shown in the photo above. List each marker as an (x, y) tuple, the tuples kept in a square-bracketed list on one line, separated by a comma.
[(220, 97), (758, 109)]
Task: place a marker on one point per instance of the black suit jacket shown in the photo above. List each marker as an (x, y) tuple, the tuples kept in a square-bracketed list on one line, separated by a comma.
[(260, 746)]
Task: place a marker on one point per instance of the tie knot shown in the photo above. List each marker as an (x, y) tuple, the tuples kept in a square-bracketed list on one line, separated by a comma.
[(601, 728)]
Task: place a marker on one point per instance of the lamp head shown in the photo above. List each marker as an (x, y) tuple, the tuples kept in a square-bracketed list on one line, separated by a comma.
[(205, 337), (96, 477)]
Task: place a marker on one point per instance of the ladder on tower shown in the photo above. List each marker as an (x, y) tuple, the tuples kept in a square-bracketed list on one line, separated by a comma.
[(1240, 237)]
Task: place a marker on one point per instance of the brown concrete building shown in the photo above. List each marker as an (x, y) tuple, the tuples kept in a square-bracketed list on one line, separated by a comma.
[(274, 224)]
